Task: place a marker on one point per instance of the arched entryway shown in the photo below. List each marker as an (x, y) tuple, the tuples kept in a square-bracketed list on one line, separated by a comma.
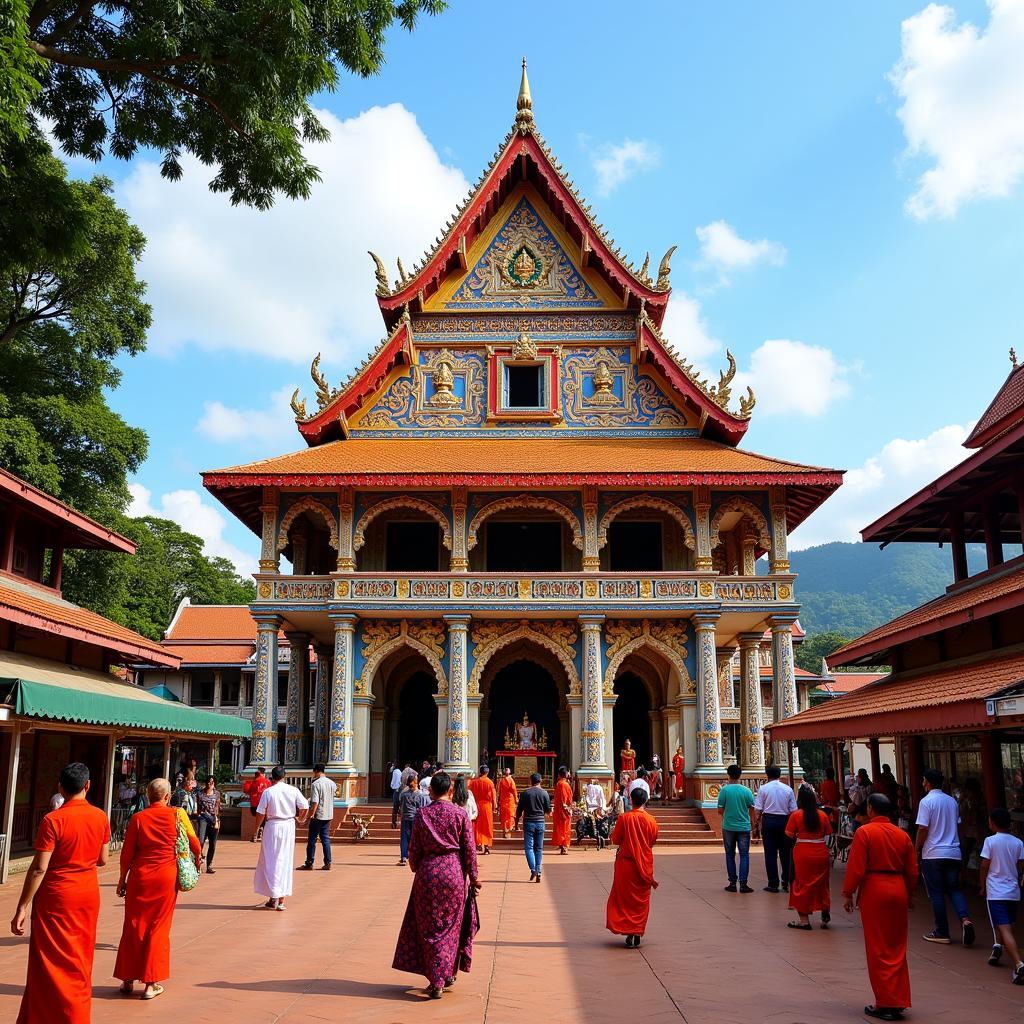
[(404, 688), (417, 720), (631, 718), (524, 686)]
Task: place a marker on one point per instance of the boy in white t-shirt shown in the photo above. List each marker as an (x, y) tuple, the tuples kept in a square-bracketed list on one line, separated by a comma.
[(1002, 862)]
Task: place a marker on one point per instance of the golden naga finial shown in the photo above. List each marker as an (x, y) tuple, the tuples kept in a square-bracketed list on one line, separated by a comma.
[(298, 405), (644, 274), (402, 275), (524, 105), (1013, 357), (664, 270), (383, 288), (722, 392), (323, 390), (748, 402)]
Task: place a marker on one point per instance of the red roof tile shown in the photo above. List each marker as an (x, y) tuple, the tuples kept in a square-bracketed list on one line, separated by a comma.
[(213, 622), (1003, 411), (210, 654), (847, 682)]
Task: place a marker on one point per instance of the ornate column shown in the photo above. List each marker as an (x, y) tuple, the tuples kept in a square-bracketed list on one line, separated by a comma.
[(779, 555), (456, 735), (702, 509), (268, 548), (339, 737), (723, 663), (749, 560), (321, 703), (298, 672), (591, 555), (460, 557), (751, 752), (346, 505), (264, 694), (593, 759), (709, 717), (784, 703)]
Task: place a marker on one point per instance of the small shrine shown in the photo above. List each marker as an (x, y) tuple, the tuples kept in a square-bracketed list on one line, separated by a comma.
[(526, 751)]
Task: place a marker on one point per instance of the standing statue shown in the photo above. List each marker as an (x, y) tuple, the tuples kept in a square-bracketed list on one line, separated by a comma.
[(526, 734), (628, 757)]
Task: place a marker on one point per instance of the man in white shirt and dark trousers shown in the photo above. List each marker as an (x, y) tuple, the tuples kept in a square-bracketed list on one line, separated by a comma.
[(773, 805), (938, 850), (321, 814), (396, 791)]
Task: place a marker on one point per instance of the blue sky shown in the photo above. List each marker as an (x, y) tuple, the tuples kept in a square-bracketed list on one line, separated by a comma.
[(843, 182)]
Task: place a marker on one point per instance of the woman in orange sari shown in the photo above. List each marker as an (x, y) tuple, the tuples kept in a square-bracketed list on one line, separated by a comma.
[(561, 815), (508, 797), (629, 902), (149, 885), (812, 863)]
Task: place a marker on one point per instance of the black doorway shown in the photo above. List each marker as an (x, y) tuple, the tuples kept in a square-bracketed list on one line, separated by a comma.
[(524, 547), (631, 719), (417, 720), (523, 686)]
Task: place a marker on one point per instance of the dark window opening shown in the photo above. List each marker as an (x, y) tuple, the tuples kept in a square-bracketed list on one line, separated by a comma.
[(412, 547), (202, 689), (282, 689), (524, 387), (230, 689), (524, 547), (635, 547)]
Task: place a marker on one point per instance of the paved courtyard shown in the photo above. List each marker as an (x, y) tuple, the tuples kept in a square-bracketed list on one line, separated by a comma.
[(542, 954)]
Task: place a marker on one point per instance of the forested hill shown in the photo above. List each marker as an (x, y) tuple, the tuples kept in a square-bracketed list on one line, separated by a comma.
[(852, 588)]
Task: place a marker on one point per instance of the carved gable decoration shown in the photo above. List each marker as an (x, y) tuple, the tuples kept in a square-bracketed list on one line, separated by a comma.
[(524, 266)]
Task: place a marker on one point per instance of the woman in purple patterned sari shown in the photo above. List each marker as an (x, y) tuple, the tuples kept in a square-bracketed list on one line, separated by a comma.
[(436, 939)]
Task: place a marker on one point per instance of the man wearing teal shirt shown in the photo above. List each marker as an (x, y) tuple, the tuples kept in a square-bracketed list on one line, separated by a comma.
[(734, 804)]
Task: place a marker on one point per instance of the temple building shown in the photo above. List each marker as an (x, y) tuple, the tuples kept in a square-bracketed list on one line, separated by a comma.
[(954, 698), (524, 503)]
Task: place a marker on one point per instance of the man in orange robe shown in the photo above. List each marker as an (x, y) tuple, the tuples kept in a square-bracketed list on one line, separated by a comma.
[(629, 902), (486, 797), (882, 870), (63, 889), (508, 797), (562, 814)]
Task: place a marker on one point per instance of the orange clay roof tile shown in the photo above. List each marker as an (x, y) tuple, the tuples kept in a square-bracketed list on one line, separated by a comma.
[(210, 654), (214, 622)]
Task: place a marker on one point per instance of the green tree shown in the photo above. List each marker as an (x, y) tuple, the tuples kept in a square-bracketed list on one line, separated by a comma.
[(226, 80), (816, 646)]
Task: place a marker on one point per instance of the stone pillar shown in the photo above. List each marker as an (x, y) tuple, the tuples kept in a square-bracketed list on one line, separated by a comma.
[(709, 717), (459, 556), (575, 703), (361, 706), (749, 560), (339, 737), (591, 555), (268, 547), (264, 695), (218, 681), (321, 704), (723, 664), (346, 506), (295, 728), (784, 699), (456, 735), (779, 554), (751, 752), (593, 758), (702, 508)]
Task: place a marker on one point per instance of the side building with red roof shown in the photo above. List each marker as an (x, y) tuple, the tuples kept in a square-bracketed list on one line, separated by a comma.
[(954, 698), (65, 694)]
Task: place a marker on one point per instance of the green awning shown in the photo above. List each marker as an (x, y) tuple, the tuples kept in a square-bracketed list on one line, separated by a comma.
[(38, 688)]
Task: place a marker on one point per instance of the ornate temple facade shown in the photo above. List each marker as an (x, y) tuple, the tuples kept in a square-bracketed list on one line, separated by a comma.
[(524, 500)]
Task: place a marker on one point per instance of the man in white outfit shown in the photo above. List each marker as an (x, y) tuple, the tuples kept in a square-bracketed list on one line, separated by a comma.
[(280, 805)]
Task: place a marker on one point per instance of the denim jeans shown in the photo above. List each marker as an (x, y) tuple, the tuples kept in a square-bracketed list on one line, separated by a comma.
[(207, 831), (533, 844), (776, 848), (942, 879), (406, 836), (319, 828), (731, 840), (395, 794)]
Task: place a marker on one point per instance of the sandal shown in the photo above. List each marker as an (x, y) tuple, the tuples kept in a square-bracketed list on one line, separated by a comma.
[(153, 992), (126, 988), (270, 904), (800, 927)]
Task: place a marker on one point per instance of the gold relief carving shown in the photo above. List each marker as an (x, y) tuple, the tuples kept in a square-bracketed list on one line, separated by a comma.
[(458, 588), (711, 790), (429, 632), (705, 588), (667, 636), (745, 508), (403, 588), (590, 588), (341, 588), (308, 504), (524, 347), (382, 636), (603, 382), (785, 591), (524, 590), (519, 501), (376, 633), (645, 588), (562, 632), (555, 635), (444, 381), (404, 501), (266, 590), (652, 502)]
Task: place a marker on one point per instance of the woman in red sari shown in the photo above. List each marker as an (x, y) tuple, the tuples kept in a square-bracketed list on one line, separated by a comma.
[(149, 885), (629, 902), (678, 764), (812, 864), (436, 939)]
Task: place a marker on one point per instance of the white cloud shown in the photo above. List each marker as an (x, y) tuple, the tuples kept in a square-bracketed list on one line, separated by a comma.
[(270, 427), (685, 327), (186, 508), (722, 249), (888, 477), (794, 377), (296, 279), (615, 162), (962, 92)]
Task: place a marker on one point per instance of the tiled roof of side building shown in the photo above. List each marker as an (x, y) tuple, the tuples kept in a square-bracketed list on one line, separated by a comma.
[(1004, 410), (210, 654), (33, 607), (847, 682), (974, 599), (925, 700), (213, 622)]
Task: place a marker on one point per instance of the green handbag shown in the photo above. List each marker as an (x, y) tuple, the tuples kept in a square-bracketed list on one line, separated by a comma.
[(188, 873)]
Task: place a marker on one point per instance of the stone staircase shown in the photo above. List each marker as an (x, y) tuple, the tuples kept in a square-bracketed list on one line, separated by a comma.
[(678, 825)]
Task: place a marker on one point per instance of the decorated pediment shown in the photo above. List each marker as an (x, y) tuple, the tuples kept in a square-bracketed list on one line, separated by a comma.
[(524, 262)]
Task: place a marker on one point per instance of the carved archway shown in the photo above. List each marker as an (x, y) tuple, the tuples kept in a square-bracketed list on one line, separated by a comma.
[(518, 501), (388, 504), (747, 509), (318, 508), (483, 653), (645, 640), (364, 683), (647, 501)]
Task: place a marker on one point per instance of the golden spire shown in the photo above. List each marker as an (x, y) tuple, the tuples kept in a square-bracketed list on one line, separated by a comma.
[(524, 104)]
